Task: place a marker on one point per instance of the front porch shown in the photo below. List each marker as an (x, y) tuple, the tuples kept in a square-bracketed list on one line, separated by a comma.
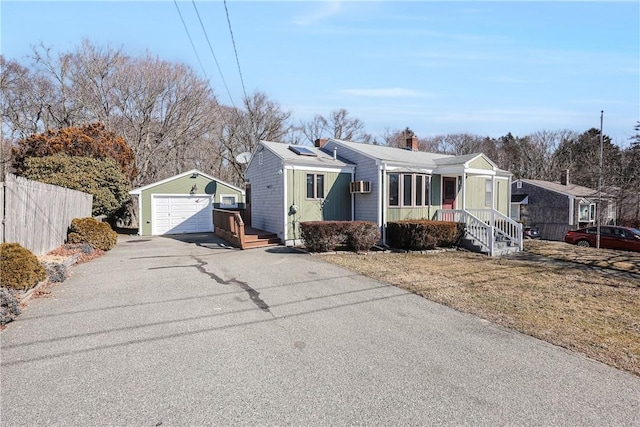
[(486, 230)]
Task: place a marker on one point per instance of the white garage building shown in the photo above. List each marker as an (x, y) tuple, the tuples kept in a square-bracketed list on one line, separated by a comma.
[(183, 203)]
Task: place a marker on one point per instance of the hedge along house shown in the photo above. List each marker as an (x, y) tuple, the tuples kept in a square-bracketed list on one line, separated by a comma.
[(183, 203), (290, 184), (410, 184)]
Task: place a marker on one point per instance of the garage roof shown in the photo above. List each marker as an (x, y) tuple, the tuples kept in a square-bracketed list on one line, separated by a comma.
[(139, 190)]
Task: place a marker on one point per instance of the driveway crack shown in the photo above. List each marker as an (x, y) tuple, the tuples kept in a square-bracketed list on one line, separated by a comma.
[(253, 294)]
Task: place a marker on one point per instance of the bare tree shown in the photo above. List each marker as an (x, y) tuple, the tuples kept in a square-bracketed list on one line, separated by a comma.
[(261, 120)]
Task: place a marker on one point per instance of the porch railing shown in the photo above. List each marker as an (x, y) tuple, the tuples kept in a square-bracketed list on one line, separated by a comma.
[(230, 226), (486, 226)]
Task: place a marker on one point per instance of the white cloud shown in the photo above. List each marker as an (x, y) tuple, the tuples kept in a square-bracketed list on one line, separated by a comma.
[(385, 93), (324, 11)]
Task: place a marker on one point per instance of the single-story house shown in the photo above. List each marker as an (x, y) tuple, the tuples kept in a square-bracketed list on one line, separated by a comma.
[(557, 207), (342, 180), (183, 203)]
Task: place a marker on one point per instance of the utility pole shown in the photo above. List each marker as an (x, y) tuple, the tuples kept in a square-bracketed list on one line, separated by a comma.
[(599, 205)]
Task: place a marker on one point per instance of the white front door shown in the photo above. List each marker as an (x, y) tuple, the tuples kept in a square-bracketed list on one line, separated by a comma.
[(181, 214)]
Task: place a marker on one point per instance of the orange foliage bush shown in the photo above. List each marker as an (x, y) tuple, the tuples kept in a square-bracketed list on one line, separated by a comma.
[(89, 140)]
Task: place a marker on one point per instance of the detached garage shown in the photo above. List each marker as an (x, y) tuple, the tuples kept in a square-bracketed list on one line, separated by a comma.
[(184, 203)]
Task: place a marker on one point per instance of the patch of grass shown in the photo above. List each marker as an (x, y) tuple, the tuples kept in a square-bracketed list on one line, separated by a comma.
[(572, 305)]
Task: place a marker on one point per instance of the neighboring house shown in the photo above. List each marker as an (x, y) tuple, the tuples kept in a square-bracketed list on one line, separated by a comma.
[(379, 184), (183, 203), (556, 207)]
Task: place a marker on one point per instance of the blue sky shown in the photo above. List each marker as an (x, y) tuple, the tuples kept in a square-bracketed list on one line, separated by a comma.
[(486, 68)]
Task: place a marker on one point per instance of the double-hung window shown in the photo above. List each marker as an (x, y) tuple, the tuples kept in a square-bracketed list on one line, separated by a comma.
[(587, 212), (409, 190), (315, 186)]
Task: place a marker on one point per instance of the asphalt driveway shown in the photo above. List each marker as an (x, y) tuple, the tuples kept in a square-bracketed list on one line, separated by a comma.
[(184, 332)]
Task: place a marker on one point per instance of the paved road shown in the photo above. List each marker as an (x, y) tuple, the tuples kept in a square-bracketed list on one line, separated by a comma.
[(181, 333)]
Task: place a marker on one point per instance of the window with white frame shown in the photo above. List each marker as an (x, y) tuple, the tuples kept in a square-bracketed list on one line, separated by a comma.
[(587, 212), (315, 186), (409, 190), (488, 192), (228, 201)]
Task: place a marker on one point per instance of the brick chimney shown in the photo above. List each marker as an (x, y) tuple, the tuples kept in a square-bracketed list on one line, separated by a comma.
[(564, 178), (412, 143), (320, 142)]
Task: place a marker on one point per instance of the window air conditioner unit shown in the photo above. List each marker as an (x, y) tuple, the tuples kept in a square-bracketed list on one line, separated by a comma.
[(360, 187)]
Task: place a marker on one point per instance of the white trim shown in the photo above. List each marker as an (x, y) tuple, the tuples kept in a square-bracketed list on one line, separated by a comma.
[(339, 169), (160, 195), (285, 200), (571, 209), (139, 190), (235, 198)]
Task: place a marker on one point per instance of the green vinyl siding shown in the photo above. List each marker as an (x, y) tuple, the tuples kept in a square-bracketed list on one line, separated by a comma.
[(475, 192), (501, 196), (398, 214), (481, 163), (336, 205)]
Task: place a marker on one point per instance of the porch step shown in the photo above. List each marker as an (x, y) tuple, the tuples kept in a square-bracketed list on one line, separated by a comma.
[(259, 239), (500, 248)]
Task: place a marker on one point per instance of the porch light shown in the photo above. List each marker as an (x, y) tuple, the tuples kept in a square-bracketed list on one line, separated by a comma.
[(194, 189)]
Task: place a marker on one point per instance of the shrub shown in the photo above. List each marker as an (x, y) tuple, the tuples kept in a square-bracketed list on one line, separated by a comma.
[(423, 234), (98, 177), (20, 269), (9, 306), (95, 233), (362, 235), (323, 236)]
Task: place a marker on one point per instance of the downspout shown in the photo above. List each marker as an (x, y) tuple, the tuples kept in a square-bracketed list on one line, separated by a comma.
[(382, 200), (353, 197), (464, 190), (284, 202)]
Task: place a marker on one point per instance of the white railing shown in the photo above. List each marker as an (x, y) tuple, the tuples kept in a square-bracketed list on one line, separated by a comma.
[(485, 226)]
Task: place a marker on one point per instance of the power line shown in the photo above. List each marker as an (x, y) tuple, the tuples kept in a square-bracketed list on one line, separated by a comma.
[(212, 53), (184, 24), (235, 51)]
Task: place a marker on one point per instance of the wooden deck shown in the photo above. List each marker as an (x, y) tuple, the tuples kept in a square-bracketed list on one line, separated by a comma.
[(230, 226)]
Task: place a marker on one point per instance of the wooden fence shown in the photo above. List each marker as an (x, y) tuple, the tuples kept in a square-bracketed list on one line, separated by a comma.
[(38, 215)]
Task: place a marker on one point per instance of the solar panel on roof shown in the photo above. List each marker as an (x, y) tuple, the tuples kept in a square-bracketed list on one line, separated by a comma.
[(302, 151)]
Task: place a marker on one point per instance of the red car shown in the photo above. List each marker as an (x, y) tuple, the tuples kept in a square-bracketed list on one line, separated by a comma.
[(611, 237)]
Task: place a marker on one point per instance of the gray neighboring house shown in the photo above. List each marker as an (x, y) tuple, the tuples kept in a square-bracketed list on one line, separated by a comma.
[(557, 207), (343, 180)]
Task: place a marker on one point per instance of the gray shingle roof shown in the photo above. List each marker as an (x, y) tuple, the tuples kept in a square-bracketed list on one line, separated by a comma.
[(571, 189), (322, 158), (396, 155)]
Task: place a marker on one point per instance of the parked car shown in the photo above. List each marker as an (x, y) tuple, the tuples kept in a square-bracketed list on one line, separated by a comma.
[(530, 233), (611, 237)]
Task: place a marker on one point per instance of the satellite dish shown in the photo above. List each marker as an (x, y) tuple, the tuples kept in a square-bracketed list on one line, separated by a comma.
[(243, 158)]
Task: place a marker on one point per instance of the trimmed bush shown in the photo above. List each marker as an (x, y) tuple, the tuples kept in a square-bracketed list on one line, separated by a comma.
[(19, 267), (95, 233), (362, 235), (423, 234), (9, 306), (324, 236)]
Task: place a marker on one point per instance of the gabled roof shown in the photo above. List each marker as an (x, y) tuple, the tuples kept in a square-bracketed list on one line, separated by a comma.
[(139, 190), (392, 154), (569, 189), (320, 157)]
